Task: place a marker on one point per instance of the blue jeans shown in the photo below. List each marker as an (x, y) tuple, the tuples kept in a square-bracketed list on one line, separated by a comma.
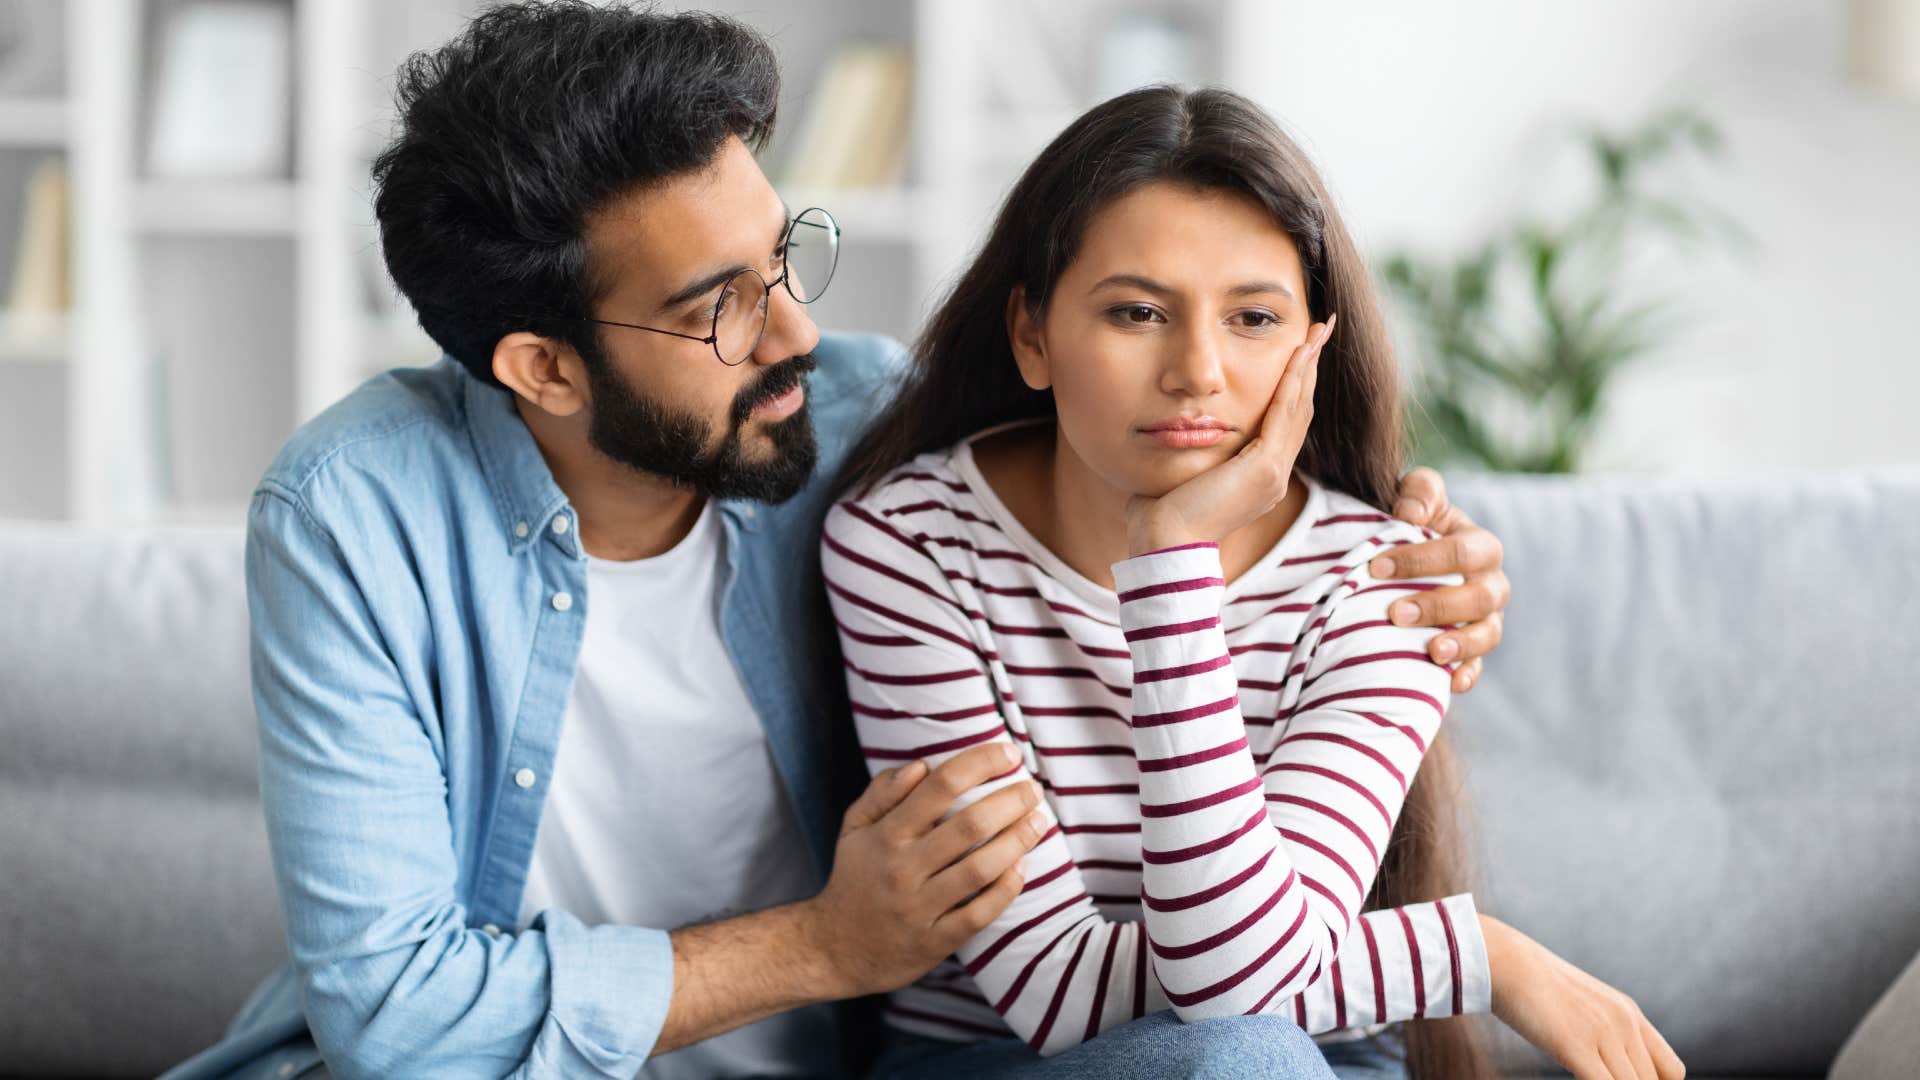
[(1157, 1047)]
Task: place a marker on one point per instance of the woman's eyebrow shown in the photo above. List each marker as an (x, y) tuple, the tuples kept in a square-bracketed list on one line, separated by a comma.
[(1135, 281), (1251, 287)]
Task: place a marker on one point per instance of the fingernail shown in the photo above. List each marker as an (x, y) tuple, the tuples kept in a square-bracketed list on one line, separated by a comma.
[(1008, 754), (1466, 681), (1409, 510), (1445, 649), (1383, 567), (1038, 820), (1406, 614), (1034, 789), (912, 770)]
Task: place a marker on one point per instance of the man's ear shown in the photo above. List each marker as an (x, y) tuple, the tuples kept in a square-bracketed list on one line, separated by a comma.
[(1029, 345), (544, 371)]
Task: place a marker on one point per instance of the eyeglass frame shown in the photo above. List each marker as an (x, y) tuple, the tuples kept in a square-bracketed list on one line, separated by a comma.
[(712, 340)]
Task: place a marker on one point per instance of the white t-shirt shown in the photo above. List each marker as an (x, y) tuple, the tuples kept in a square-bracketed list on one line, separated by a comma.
[(666, 808)]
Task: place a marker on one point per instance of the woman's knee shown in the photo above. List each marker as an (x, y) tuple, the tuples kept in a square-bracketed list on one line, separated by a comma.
[(1242, 1046)]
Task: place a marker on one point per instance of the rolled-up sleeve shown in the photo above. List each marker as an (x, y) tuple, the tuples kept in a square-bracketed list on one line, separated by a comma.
[(356, 799)]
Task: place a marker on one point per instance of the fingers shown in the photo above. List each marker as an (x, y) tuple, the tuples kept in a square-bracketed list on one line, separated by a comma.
[(1296, 385), (984, 865), (933, 796), (1479, 597), (883, 793), (1469, 642), (1665, 1061), (1467, 551), (1466, 675), (977, 914), (977, 824), (1423, 495), (1638, 1057)]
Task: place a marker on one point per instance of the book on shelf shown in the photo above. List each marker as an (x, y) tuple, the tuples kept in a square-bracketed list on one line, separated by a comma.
[(41, 284), (223, 95), (854, 131)]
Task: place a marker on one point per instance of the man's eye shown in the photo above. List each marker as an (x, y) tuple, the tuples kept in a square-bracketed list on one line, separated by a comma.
[(780, 255)]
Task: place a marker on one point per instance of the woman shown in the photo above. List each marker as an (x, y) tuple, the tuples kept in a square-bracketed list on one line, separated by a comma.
[(1118, 520)]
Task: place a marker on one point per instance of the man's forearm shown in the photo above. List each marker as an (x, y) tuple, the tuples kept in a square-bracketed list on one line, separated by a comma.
[(730, 973)]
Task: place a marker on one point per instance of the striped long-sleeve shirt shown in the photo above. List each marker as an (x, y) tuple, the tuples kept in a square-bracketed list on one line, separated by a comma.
[(1222, 764)]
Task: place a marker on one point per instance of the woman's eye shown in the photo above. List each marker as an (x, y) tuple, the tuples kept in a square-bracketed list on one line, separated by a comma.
[(1134, 314), (1258, 320)]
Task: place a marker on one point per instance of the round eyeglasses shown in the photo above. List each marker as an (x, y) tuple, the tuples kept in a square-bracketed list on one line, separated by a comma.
[(807, 256)]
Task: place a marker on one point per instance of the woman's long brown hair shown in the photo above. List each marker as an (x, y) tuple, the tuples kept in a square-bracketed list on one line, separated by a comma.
[(964, 379)]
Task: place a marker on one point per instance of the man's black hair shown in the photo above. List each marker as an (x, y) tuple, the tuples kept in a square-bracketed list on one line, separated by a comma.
[(537, 115)]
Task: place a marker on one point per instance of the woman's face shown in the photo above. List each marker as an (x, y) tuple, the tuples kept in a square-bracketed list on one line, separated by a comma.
[(1165, 338)]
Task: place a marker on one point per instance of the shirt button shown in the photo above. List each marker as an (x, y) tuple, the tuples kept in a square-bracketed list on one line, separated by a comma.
[(491, 930), (560, 525), (524, 778), (562, 601), (748, 512), (286, 1068), (520, 529)]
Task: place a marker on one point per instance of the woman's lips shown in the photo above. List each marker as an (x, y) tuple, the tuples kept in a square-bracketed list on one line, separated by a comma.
[(1188, 433)]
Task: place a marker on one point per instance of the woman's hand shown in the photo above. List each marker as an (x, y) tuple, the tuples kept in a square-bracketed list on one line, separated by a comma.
[(1248, 484), (1464, 548), (1591, 1029)]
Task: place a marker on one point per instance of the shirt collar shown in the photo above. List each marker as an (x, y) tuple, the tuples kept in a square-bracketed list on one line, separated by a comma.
[(516, 473)]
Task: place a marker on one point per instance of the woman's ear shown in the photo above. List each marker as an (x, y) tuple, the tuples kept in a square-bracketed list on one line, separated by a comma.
[(540, 369), (1029, 348)]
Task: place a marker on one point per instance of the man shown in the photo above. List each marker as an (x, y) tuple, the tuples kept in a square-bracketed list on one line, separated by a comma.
[(539, 652)]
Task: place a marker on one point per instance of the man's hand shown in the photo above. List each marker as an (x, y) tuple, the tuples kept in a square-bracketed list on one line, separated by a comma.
[(1463, 548), (908, 888)]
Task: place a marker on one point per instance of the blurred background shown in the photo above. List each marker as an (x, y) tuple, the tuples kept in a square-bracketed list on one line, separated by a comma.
[(1633, 236)]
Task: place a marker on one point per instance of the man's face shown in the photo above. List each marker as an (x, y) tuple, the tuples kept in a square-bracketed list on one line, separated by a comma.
[(667, 405)]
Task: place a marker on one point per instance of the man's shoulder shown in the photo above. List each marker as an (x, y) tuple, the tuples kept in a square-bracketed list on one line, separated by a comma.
[(385, 426), (857, 374)]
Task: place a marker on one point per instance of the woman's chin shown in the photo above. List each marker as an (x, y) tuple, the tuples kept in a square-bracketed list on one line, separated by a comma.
[(1155, 473)]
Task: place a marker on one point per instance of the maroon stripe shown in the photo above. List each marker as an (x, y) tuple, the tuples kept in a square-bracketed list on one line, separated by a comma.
[(1378, 692), (1373, 957), (1148, 633), (1328, 811), (1332, 856), (979, 963), (1026, 973), (884, 570), (1109, 864), (935, 504), (1300, 1011), (1184, 952), (884, 612), (1316, 886), (1140, 974), (1207, 992), (1403, 586), (1179, 716), (1123, 827), (1337, 518), (1370, 624), (1094, 711), (1413, 952), (1083, 751), (931, 477), (1067, 673), (1188, 806), (1322, 557), (1165, 588), (1263, 646), (1181, 671), (1161, 858), (880, 678), (1039, 1038), (1369, 658), (1047, 878), (1453, 958), (1096, 789), (931, 748), (882, 640), (1404, 729), (1100, 987), (862, 709), (1339, 998), (1317, 770), (1284, 980), (1351, 744), (968, 546), (1211, 892), (1180, 761)]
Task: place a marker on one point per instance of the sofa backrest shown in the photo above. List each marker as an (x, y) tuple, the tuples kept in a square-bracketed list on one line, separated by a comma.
[(1695, 761)]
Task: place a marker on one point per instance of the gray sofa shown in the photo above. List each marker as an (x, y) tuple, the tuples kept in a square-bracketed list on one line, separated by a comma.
[(1695, 763)]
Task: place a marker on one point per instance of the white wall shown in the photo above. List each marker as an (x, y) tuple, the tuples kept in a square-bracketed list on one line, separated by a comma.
[(1435, 122)]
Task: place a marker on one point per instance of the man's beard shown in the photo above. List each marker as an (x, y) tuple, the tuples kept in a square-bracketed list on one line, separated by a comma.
[(647, 435)]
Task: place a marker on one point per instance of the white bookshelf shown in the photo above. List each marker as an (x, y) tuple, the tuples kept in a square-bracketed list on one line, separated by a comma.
[(213, 317)]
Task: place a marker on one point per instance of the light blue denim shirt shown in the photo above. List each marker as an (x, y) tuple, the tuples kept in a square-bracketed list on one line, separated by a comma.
[(418, 592)]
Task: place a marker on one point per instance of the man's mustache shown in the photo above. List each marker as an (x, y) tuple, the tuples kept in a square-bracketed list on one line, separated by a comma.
[(774, 382)]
